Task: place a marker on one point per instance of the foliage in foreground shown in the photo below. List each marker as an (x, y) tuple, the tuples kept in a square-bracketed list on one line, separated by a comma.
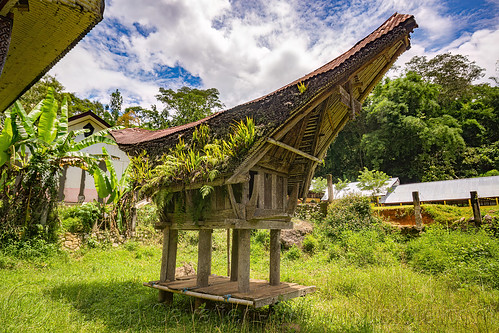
[(34, 149), (100, 289)]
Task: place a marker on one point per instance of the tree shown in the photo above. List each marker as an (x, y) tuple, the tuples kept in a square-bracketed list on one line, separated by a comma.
[(454, 73), (34, 148), (115, 106), (187, 105), (372, 180)]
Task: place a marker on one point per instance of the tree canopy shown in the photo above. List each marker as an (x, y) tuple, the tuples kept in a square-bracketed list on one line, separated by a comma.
[(431, 123)]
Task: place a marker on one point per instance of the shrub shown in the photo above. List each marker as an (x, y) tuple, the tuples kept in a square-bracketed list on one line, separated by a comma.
[(310, 244), (262, 237), (293, 253), (147, 215), (465, 257), (350, 213), (79, 218)]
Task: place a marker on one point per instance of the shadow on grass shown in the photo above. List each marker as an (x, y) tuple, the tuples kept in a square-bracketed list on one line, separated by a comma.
[(123, 305), (129, 306)]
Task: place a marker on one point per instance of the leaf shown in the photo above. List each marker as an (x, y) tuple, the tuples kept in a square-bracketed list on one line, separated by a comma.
[(99, 137), (26, 121), (205, 190), (5, 139), (47, 121), (101, 185), (62, 125)]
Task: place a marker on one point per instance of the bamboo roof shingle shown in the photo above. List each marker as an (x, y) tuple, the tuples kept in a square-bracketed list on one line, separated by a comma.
[(43, 31)]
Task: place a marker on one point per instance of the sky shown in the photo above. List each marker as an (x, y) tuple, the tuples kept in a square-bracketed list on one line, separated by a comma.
[(248, 48)]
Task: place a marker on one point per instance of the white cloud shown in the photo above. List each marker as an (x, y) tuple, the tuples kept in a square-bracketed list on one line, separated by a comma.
[(244, 48)]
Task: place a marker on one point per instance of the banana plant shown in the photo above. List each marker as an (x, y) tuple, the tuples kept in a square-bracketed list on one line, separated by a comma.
[(109, 186), (34, 148)]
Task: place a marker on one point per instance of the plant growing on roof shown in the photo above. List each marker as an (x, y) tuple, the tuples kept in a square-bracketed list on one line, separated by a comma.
[(301, 87), (34, 148), (202, 161)]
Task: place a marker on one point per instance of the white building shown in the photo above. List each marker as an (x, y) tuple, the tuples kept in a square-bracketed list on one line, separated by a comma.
[(77, 185)]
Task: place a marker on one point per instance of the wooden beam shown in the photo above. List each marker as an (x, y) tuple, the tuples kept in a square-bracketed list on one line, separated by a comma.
[(380, 75), (235, 206), (275, 257), (168, 262), (234, 255), (243, 270), (204, 257), (294, 150)]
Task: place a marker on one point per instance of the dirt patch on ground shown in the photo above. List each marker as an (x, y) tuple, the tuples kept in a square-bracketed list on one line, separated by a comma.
[(295, 236), (403, 217)]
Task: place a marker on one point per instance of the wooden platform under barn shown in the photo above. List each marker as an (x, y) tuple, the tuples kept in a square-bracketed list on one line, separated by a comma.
[(221, 289)]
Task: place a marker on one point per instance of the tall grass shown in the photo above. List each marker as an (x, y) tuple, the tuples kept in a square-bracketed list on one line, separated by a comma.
[(368, 280)]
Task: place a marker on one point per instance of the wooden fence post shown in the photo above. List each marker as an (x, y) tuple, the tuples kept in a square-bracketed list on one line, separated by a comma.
[(475, 205), (329, 188), (417, 210)]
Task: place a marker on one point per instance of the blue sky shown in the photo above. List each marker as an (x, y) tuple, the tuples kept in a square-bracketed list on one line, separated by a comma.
[(249, 48)]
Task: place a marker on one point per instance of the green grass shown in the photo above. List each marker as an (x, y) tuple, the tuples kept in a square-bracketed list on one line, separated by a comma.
[(100, 290)]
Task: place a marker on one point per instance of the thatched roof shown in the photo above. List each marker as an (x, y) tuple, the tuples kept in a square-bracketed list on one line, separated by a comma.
[(42, 32), (306, 121)]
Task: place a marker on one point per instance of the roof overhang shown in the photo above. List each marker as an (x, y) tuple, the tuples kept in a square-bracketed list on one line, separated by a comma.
[(43, 31)]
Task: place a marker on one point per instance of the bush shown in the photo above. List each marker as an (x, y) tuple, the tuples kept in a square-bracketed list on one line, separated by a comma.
[(80, 218), (147, 216), (310, 244), (262, 237), (350, 213), (465, 257), (367, 247), (293, 253)]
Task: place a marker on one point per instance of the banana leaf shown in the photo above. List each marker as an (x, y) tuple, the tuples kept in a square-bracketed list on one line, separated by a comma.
[(46, 124), (6, 139), (99, 137), (62, 126)]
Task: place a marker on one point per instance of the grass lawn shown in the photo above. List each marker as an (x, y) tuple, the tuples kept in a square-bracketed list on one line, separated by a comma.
[(100, 290)]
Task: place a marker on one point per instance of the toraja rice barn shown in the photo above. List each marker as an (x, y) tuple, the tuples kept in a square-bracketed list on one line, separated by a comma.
[(261, 190)]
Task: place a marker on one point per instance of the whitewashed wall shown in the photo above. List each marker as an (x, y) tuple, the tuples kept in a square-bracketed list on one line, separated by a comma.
[(73, 175)]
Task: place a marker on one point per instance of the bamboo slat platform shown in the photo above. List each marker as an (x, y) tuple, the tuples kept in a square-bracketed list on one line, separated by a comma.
[(220, 288)]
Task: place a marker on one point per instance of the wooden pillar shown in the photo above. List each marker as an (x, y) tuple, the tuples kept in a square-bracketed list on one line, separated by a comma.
[(81, 194), (243, 271), (168, 261), (62, 183), (275, 257), (475, 205), (330, 195), (417, 210), (204, 257), (234, 255)]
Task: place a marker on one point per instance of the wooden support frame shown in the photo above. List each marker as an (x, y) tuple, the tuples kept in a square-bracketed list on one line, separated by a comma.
[(204, 257), (168, 262), (294, 150), (234, 271), (275, 257), (243, 270)]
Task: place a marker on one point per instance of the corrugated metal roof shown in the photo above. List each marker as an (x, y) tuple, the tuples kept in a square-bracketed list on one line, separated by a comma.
[(457, 189), (353, 188)]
